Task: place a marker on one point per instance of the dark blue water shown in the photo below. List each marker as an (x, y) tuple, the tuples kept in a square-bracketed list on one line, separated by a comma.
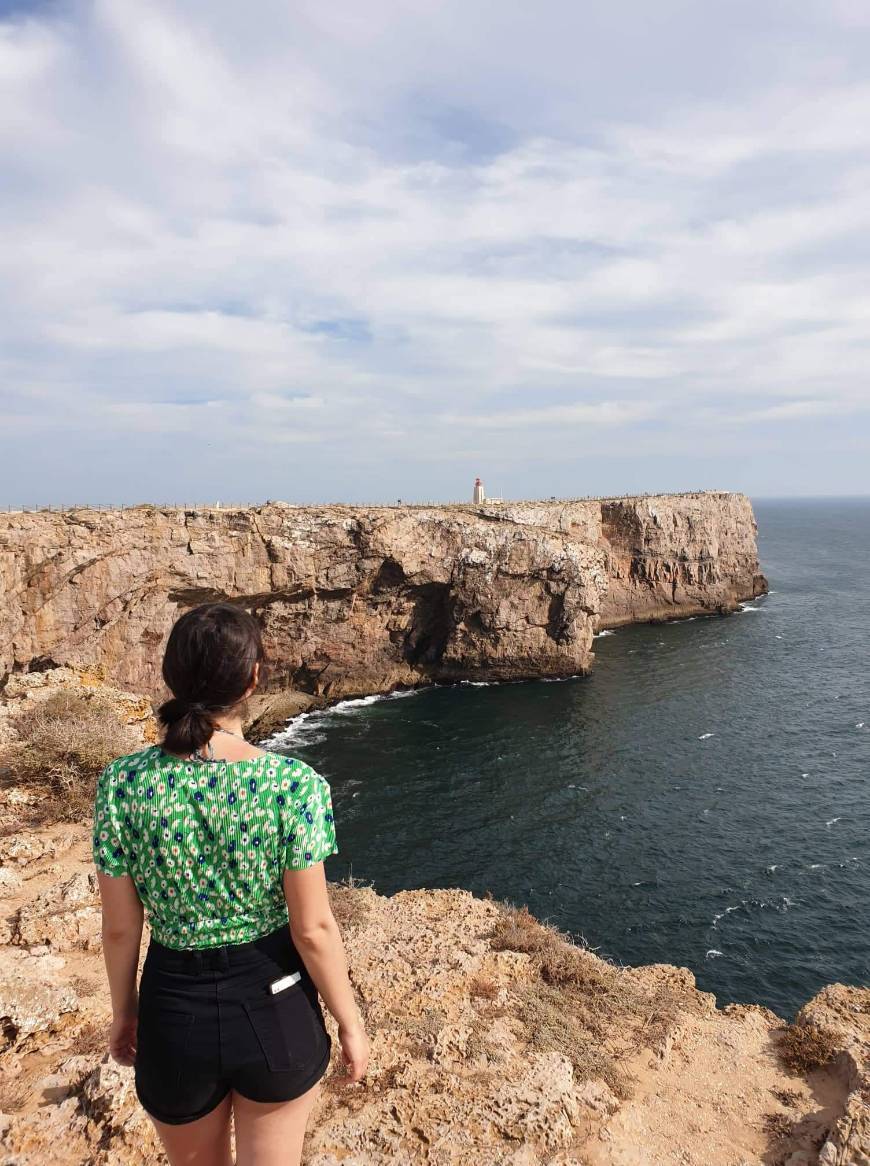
[(702, 798)]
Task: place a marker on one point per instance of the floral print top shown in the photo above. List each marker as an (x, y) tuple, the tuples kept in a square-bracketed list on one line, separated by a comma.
[(206, 843)]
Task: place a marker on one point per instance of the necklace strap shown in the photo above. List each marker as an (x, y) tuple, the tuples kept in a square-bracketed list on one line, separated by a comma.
[(230, 733)]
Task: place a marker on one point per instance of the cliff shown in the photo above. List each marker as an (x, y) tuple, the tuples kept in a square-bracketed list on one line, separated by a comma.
[(494, 1042), (359, 600)]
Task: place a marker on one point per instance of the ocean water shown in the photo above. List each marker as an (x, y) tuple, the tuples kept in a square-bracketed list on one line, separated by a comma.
[(702, 798)]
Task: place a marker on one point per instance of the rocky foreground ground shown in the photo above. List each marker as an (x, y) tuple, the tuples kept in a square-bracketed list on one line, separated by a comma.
[(494, 1039)]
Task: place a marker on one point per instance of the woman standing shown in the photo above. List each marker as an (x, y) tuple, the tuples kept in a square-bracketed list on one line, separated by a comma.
[(219, 842)]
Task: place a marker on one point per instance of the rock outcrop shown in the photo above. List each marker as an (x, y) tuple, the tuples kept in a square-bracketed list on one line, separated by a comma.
[(494, 1041), (360, 600)]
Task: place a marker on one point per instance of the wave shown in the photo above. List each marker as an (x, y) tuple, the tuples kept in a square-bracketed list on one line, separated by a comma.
[(781, 904), (311, 727), (830, 822), (713, 954), (358, 702), (704, 736), (606, 632)]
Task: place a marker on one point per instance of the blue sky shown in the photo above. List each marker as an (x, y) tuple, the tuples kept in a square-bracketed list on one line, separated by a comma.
[(357, 251)]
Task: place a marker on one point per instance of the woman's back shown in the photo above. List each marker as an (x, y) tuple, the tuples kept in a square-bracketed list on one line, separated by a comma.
[(206, 842), (222, 845)]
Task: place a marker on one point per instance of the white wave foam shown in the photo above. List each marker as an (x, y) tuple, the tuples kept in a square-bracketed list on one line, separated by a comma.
[(606, 632), (773, 866), (311, 727), (816, 865), (713, 954), (860, 725), (830, 822), (356, 702), (704, 736)]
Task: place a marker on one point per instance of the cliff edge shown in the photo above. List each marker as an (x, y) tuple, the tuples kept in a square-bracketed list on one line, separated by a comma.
[(495, 1041), (356, 600)]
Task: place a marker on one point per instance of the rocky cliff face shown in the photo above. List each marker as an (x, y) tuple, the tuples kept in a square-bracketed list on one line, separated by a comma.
[(359, 600)]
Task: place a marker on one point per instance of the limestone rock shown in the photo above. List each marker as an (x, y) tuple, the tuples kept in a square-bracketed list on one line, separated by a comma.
[(845, 1012), (34, 994), (359, 600), (65, 916)]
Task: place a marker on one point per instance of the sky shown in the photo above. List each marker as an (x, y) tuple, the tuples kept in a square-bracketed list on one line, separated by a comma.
[(341, 251)]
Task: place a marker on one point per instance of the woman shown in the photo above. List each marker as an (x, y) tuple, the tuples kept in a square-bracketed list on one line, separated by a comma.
[(219, 841)]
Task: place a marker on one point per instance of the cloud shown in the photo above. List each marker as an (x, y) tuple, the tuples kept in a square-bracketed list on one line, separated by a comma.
[(373, 236)]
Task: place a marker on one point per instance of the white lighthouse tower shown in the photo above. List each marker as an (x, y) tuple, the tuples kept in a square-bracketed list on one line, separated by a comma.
[(479, 495)]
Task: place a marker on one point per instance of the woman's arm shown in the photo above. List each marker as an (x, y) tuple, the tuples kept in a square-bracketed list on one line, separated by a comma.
[(122, 936), (318, 940)]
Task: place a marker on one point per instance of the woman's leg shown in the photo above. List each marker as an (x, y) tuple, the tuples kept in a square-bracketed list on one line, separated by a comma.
[(271, 1133), (204, 1142)]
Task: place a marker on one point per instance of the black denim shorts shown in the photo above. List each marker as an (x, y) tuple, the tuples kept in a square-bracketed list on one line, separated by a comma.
[(208, 1023)]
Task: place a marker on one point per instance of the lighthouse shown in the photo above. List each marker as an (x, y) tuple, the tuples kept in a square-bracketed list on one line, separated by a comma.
[(478, 496)]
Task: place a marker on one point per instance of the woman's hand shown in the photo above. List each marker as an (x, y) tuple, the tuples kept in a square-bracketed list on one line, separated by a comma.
[(122, 1039), (354, 1051)]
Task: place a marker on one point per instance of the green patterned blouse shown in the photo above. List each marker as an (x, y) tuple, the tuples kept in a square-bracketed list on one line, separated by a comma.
[(206, 843)]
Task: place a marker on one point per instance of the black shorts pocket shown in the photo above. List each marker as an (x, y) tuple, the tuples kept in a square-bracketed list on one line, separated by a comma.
[(286, 1028)]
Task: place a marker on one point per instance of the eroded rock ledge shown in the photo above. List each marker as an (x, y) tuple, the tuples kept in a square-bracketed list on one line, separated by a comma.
[(360, 600), (494, 1042)]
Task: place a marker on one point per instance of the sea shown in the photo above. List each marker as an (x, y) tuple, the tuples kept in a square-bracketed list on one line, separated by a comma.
[(701, 798)]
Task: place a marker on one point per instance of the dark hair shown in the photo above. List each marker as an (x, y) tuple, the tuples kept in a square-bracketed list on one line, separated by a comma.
[(208, 666)]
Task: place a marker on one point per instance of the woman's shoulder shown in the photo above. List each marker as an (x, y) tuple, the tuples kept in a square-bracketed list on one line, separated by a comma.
[(142, 759), (301, 771), (296, 767)]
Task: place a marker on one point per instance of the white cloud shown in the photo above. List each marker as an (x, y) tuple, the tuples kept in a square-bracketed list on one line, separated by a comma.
[(359, 231)]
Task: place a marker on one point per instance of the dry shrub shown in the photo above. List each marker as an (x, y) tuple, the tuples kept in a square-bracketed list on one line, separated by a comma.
[(482, 987), (66, 740), (92, 1038), (777, 1126), (519, 930), (787, 1097), (594, 1013), (803, 1047), (350, 908), (553, 1024)]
